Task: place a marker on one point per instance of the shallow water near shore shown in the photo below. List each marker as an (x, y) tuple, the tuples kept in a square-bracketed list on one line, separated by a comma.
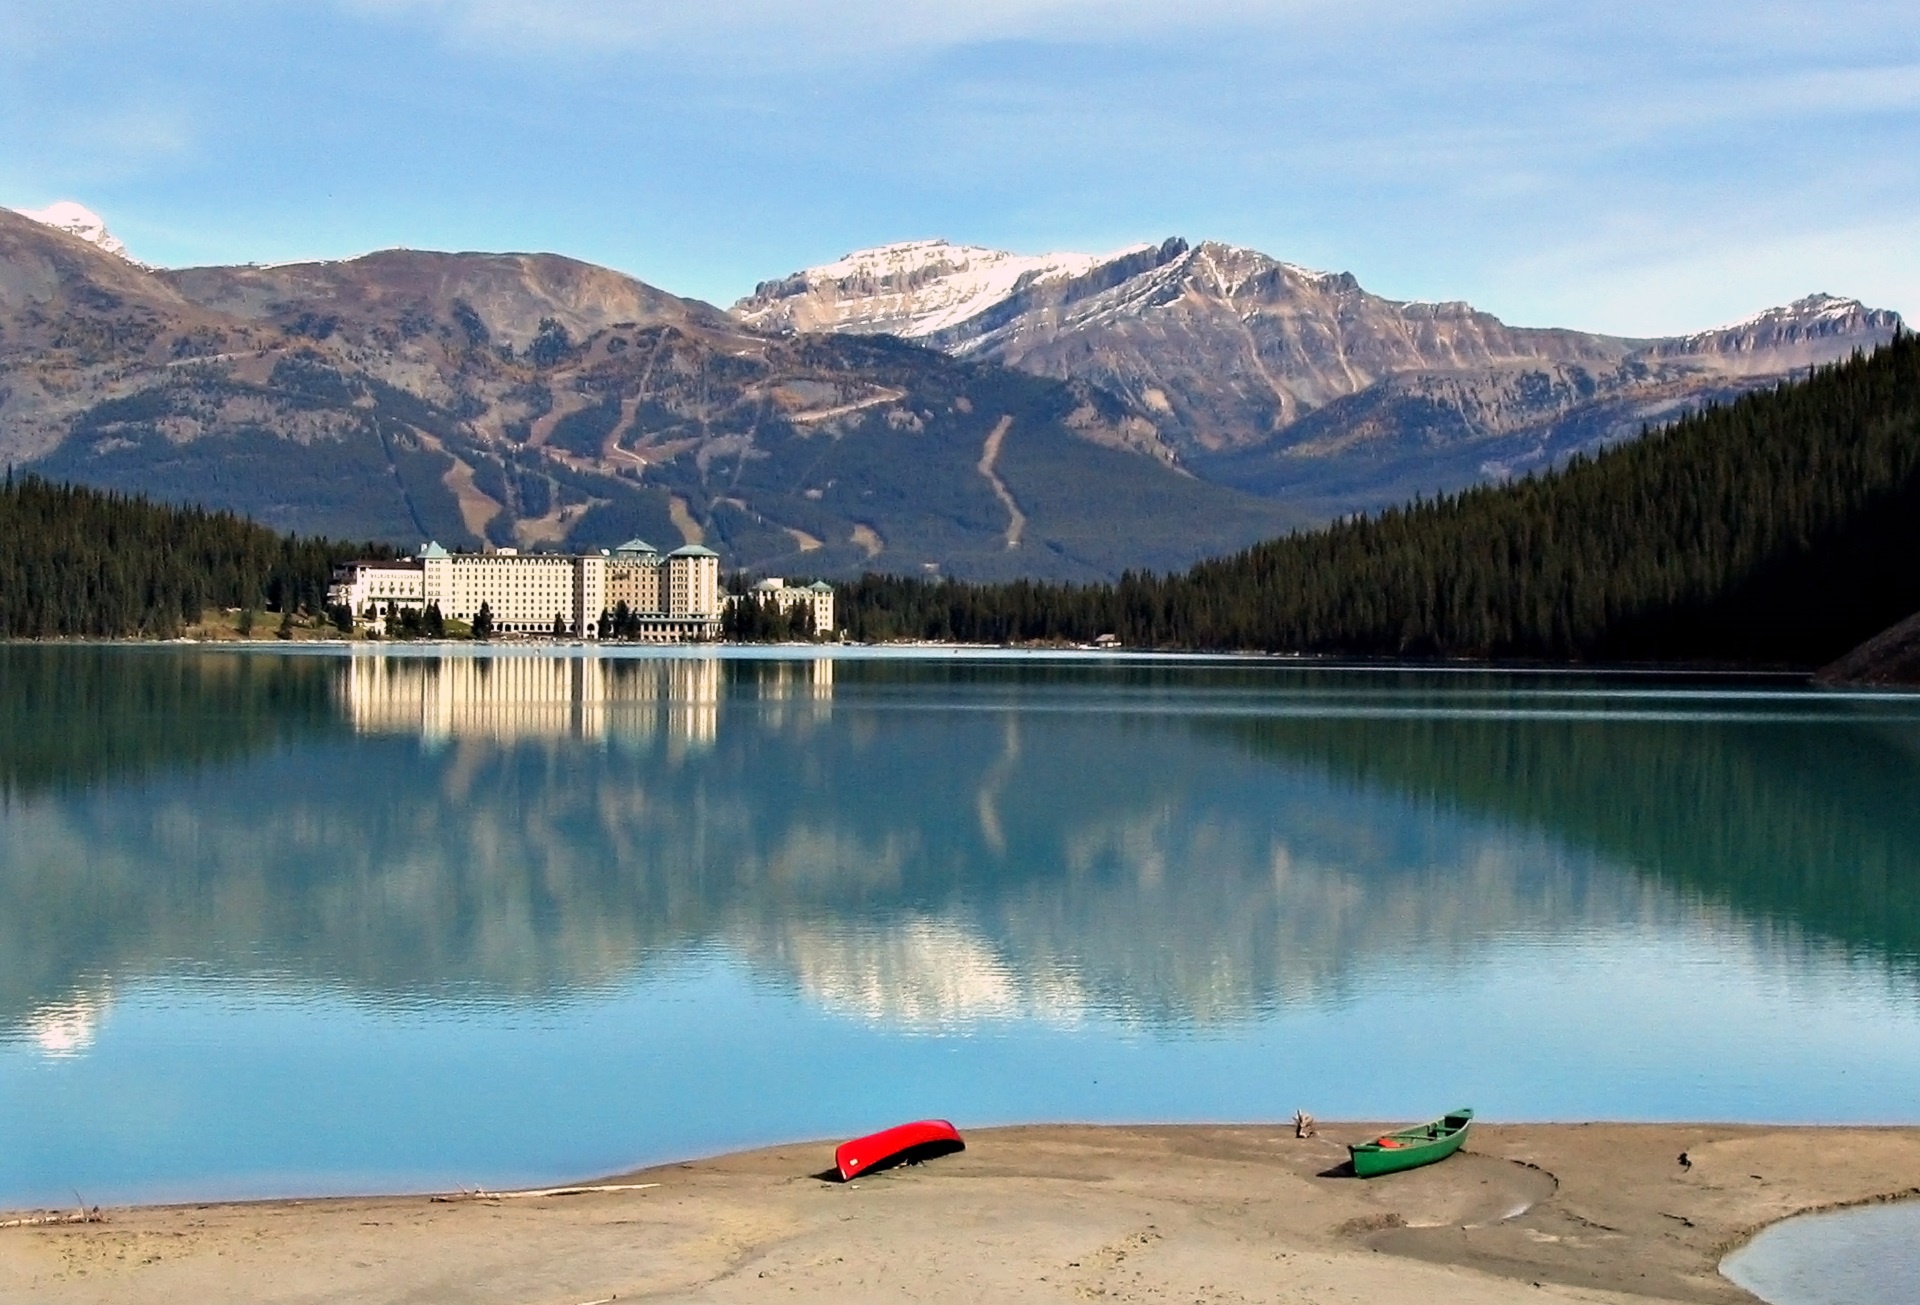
[(1869, 1255), (298, 923)]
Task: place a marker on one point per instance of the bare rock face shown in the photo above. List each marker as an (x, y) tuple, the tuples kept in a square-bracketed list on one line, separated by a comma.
[(1299, 383), (1234, 346)]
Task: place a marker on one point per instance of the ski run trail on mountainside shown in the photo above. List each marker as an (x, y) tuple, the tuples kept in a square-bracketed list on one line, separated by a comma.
[(990, 454)]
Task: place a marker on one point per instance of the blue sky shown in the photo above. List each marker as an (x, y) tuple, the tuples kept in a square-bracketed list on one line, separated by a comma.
[(1631, 166)]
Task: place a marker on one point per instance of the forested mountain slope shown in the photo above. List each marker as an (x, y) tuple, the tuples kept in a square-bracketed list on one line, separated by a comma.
[(1780, 529)]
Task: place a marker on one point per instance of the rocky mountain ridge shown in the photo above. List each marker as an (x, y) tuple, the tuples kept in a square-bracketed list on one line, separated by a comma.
[(1292, 382), (536, 401), (1056, 415)]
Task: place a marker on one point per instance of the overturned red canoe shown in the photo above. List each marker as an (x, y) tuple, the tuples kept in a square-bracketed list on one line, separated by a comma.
[(917, 1141)]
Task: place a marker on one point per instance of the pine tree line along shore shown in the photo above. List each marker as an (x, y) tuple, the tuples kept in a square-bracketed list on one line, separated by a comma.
[(1779, 530)]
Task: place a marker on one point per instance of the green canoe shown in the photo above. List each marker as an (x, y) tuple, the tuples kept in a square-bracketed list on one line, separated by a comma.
[(1411, 1147)]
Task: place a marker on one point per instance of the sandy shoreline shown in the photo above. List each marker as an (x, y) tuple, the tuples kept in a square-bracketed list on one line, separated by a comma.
[(1594, 1212)]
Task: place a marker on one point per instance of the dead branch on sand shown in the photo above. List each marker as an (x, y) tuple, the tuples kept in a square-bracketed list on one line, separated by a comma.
[(481, 1194), (54, 1217)]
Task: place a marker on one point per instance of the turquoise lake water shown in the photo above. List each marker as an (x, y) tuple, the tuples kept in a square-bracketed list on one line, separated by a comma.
[(299, 923)]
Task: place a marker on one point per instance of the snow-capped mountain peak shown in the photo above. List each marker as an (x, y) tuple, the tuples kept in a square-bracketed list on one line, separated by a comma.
[(78, 220), (1809, 308), (915, 288), (1801, 333)]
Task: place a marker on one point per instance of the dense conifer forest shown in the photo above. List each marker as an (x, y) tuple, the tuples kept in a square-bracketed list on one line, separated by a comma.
[(78, 562), (1781, 529)]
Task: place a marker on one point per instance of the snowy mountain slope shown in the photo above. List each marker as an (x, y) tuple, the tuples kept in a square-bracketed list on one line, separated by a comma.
[(78, 220), (915, 289)]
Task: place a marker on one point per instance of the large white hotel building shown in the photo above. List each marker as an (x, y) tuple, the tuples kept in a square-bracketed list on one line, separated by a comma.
[(672, 598)]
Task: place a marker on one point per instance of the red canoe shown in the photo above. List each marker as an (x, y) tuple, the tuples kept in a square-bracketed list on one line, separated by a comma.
[(917, 1141)]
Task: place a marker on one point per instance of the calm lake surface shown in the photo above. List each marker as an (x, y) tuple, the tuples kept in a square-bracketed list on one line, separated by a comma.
[(1864, 1256), (277, 923)]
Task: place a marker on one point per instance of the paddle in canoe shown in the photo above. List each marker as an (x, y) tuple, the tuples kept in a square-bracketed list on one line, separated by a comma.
[(1409, 1148)]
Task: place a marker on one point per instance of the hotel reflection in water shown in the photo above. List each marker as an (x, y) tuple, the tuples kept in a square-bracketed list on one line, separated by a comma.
[(509, 697)]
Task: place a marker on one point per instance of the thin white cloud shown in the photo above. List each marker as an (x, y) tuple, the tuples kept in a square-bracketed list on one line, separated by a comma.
[(1559, 38), (836, 32), (1848, 90)]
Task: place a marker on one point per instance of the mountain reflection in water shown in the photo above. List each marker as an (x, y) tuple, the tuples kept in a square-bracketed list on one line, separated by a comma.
[(920, 842)]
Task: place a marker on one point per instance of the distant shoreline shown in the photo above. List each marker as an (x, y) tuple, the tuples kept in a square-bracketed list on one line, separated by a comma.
[(1312, 660)]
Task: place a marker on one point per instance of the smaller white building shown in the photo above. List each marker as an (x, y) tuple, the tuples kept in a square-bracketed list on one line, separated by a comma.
[(367, 587)]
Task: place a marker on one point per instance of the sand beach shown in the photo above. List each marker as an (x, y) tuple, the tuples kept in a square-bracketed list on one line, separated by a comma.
[(1247, 1213)]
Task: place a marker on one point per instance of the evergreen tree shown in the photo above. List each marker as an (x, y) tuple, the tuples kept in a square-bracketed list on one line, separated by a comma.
[(752, 618), (483, 622), (551, 344)]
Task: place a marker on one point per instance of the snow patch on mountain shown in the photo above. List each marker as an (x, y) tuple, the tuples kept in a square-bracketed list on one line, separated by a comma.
[(916, 288), (78, 220), (1307, 273), (1131, 299)]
